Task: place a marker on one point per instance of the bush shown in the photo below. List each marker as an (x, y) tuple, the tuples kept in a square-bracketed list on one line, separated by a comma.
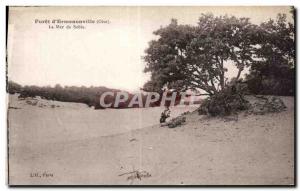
[(267, 105), (281, 84), (176, 122), (226, 102), (272, 86)]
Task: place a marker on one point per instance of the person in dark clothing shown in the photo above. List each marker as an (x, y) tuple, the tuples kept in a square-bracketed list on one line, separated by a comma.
[(164, 115)]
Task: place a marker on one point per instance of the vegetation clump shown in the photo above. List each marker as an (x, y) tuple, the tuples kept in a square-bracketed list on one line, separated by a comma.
[(178, 121), (267, 105), (229, 101)]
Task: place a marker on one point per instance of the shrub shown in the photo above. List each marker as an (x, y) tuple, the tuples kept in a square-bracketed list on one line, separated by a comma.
[(226, 102), (281, 84), (267, 105), (176, 122)]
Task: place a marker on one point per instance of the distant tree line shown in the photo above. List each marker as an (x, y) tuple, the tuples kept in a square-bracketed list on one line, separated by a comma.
[(87, 95)]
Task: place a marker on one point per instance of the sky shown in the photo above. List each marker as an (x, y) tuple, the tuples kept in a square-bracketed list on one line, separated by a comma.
[(104, 54)]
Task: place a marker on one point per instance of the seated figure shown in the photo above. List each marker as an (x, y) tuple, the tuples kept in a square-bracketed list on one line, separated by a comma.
[(164, 115)]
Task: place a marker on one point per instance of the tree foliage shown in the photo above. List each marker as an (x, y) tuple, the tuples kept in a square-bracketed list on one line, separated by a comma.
[(273, 72), (186, 57)]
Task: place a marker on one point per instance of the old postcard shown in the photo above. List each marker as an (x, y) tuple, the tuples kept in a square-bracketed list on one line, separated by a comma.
[(106, 95)]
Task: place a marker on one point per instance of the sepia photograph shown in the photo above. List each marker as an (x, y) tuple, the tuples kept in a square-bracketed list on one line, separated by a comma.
[(151, 95)]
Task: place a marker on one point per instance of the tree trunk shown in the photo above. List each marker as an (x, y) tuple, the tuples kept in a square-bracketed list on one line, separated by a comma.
[(239, 74), (222, 77)]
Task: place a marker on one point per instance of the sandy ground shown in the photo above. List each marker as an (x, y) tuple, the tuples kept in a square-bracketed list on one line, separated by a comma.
[(57, 146)]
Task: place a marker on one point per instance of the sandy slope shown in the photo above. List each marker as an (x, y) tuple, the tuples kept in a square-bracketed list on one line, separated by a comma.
[(205, 151)]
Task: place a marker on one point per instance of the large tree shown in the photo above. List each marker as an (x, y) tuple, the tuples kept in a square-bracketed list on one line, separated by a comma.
[(193, 57)]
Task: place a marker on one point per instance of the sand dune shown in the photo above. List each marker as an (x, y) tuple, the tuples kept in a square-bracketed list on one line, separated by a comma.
[(255, 149)]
